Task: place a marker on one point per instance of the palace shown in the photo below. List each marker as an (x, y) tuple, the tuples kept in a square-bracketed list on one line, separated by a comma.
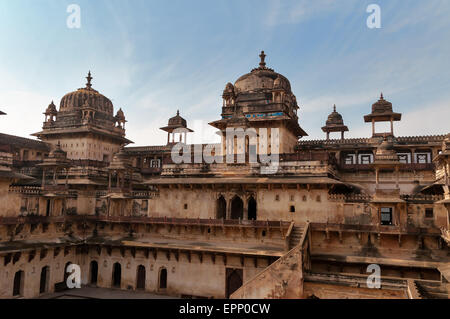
[(133, 218)]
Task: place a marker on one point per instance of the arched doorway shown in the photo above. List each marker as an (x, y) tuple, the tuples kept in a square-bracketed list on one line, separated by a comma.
[(234, 280), (221, 211), (140, 284), (45, 275), (117, 275), (18, 283), (252, 209), (94, 273), (163, 278), (237, 208)]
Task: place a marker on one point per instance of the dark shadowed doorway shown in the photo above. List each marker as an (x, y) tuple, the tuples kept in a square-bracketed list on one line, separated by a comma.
[(234, 280)]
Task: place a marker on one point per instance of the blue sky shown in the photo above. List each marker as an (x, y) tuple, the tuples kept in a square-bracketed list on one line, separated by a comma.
[(154, 57)]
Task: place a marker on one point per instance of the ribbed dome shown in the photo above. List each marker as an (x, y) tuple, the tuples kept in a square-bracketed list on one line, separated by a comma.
[(261, 79), (177, 120), (382, 106), (335, 118), (86, 96)]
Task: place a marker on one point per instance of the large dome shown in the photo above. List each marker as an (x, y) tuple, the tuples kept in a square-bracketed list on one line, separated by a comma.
[(261, 79), (86, 96)]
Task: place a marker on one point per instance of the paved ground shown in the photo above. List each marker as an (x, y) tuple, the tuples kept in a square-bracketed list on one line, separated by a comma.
[(102, 293)]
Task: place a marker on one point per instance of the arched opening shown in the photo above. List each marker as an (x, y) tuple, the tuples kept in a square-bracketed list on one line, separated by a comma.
[(163, 278), (66, 274), (252, 209), (140, 282), (117, 275), (234, 280), (94, 272), (237, 208), (221, 211), (18, 283), (45, 275)]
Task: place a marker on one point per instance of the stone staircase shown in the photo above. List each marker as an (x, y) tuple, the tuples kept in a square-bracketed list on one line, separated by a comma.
[(296, 236), (284, 277)]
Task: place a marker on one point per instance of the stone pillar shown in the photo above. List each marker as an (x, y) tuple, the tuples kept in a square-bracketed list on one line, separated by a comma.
[(245, 217), (228, 213)]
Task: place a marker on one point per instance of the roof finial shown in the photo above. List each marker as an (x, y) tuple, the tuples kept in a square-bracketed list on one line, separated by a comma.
[(381, 96), (334, 108), (89, 78), (262, 64), (178, 112)]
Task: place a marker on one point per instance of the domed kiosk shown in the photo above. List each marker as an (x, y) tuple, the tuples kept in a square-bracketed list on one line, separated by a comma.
[(262, 99), (85, 125), (335, 123)]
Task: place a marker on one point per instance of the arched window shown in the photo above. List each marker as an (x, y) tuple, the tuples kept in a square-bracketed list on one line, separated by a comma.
[(94, 272), (18, 283), (140, 281), (237, 208), (117, 275), (45, 275), (163, 278), (221, 210), (252, 209)]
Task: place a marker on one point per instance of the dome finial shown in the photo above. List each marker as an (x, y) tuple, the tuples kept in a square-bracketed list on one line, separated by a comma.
[(178, 112), (334, 108), (262, 64), (89, 78), (381, 96)]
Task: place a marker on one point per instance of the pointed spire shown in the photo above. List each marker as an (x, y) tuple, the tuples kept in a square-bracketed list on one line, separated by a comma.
[(262, 64), (89, 78)]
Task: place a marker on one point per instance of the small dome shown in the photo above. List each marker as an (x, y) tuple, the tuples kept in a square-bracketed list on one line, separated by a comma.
[(57, 153), (120, 160), (51, 109), (382, 106), (120, 115), (177, 120), (278, 84), (229, 88), (334, 118), (385, 152)]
